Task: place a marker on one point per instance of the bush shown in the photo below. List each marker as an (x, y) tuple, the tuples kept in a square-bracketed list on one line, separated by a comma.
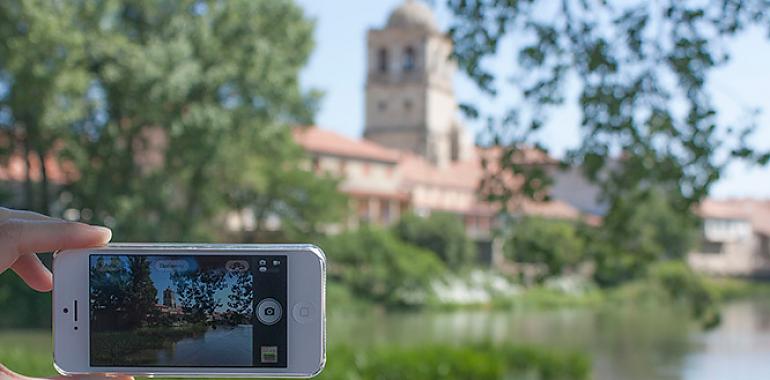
[(684, 285), (443, 233), (21, 306), (673, 283), (554, 243), (477, 362), (379, 267)]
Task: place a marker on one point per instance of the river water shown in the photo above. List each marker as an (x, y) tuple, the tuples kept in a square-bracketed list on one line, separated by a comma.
[(223, 346), (624, 343)]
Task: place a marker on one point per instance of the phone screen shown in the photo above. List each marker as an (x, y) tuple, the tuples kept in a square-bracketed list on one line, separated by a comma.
[(187, 311)]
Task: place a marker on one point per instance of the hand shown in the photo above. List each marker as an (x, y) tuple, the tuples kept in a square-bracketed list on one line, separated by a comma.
[(22, 234)]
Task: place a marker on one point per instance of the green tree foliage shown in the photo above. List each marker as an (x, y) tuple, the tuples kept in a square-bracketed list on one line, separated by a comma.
[(556, 244), (639, 229), (442, 233), (170, 113), (110, 281), (141, 295), (277, 185), (640, 70), (379, 267), (196, 291), (43, 83), (21, 305), (240, 300), (477, 361)]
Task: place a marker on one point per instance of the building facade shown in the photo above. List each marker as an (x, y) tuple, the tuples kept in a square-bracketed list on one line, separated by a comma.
[(735, 238), (415, 155), (410, 102)]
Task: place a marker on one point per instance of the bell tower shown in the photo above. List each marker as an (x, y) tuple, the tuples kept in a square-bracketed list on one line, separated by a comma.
[(410, 103)]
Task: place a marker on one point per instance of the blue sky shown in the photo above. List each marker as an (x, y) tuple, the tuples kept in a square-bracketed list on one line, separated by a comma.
[(337, 67)]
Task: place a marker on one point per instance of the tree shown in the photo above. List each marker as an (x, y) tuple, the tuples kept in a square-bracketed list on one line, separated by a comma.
[(640, 69), (43, 85), (241, 298), (555, 243), (197, 292), (381, 268), (640, 229), (442, 233), (109, 292), (170, 114), (273, 182), (141, 295)]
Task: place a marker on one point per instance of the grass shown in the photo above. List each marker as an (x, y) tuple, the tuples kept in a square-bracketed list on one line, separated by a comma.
[(29, 352), (139, 346)]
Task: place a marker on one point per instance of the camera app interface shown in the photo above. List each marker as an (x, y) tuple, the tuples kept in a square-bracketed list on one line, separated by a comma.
[(187, 311)]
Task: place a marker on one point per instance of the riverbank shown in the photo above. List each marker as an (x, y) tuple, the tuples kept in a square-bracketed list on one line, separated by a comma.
[(665, 284), (28, 352)]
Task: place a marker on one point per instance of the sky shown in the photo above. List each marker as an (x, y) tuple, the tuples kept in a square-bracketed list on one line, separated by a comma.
[(337, 67)]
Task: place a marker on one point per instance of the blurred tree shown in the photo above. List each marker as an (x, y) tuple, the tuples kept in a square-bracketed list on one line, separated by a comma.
[(640, 69), (442, 233), (172, 114), (43, 82), (381, 268), (191, 94), (554, 243), (640, 228), (274, 183)]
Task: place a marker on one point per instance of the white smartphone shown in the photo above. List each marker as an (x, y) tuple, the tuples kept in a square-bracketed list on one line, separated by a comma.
[(190, 310)]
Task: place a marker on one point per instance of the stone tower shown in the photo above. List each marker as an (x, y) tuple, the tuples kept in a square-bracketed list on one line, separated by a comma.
[(410, 103), (168, 298)]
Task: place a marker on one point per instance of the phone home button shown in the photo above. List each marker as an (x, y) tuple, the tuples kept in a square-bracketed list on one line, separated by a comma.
[(303, 312), (269, 311)]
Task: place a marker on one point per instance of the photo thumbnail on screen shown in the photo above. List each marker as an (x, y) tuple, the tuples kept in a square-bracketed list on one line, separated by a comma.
[(187, 311)]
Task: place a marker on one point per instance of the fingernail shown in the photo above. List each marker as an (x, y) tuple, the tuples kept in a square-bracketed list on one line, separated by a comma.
[(104, 231)]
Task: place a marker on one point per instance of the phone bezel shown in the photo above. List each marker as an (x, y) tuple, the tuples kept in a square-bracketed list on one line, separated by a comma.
[(306, 341)]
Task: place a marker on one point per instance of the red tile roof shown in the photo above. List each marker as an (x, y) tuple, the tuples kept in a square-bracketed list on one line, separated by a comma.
[(463, 176), (755, 211), (317, 140)]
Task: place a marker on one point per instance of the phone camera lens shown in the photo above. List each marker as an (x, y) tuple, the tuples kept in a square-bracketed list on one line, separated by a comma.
[(66, 310), (269, 311)]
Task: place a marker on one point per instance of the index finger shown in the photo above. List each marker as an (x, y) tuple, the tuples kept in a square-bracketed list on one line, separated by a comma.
[(31, 236)]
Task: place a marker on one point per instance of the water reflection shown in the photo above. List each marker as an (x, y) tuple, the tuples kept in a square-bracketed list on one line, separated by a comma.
[(623, 343), (223, 346), (739, 349)]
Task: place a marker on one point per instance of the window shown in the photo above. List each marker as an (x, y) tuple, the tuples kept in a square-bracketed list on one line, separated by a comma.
[(382, 60), (409, 58), (316, 164), (385, 210), (712, 247)]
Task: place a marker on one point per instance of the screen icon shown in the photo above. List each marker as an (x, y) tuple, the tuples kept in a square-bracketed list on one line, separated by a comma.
[(238, 266), (269, 354), (269, 311)]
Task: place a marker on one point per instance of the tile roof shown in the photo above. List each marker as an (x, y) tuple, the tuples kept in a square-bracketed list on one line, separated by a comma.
[(318, 140), (755, 211), (463, 176)]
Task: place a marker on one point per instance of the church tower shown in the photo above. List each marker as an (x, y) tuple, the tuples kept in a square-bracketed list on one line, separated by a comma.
[(410, 103)]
